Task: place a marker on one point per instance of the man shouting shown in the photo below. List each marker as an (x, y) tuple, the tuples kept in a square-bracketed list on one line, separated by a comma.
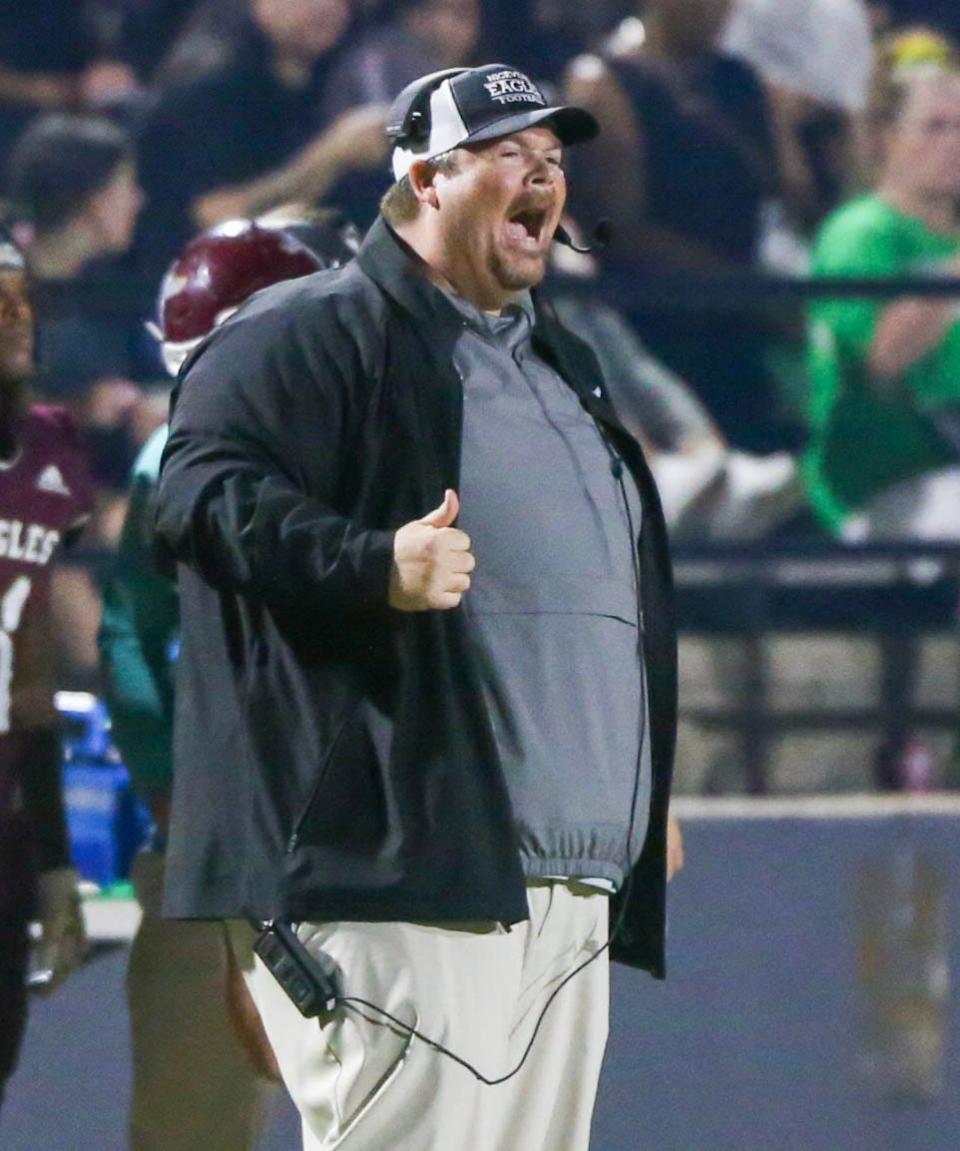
[(427, 689)]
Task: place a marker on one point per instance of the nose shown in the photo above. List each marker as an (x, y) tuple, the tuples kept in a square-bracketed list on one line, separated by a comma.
[(542, 173)]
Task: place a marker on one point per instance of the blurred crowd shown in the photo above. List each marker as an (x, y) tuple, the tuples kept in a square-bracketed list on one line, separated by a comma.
[(161, 160), (788, 136)]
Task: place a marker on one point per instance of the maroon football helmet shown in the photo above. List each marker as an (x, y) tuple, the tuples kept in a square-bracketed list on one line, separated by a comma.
[(221, 267)]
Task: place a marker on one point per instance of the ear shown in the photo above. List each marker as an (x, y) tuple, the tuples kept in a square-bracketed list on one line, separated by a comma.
[(422, 177)]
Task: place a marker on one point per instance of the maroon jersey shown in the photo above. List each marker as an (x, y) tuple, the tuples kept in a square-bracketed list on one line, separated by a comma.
[(45, 491)]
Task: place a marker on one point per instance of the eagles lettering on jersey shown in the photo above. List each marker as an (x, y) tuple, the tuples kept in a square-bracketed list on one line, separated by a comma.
[(32, 543)]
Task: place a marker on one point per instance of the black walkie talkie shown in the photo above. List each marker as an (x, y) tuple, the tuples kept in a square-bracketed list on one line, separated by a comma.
[(310, 986)]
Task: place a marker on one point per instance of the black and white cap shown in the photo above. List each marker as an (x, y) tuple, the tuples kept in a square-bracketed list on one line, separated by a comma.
[(467, 105)]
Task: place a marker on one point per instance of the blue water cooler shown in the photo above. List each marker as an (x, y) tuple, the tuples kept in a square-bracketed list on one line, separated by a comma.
[(105, 821)]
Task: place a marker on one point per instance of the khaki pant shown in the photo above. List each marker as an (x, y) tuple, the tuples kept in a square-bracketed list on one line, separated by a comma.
[(193, 1087), (363, 1084)]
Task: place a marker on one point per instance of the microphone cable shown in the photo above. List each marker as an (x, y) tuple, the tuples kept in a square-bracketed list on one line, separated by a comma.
[(354, 1002)]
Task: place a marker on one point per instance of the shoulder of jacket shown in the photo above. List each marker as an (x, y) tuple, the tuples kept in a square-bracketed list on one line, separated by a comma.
[(320, 299), (338, 313)]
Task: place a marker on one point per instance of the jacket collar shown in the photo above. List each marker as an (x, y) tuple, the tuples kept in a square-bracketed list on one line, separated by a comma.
[(401, 273)]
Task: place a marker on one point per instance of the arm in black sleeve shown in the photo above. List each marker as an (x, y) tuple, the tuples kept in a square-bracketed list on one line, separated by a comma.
[(254, 461)]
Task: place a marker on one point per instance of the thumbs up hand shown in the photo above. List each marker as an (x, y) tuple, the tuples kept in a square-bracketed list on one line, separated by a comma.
[(431, 560)]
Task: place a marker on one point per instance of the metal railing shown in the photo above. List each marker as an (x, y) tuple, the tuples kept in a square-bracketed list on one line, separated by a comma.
[(894, 594)]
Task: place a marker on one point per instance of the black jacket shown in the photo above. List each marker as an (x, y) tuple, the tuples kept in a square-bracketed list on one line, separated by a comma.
[(334, 758)]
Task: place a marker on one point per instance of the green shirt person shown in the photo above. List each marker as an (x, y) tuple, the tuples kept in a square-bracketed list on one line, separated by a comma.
[(883, 372), (139, 637)]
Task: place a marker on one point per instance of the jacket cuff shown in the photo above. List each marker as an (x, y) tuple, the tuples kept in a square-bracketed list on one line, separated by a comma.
[(374, 563), (380, 565)]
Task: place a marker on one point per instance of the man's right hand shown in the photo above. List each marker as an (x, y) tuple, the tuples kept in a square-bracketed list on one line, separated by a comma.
[(431, 561)]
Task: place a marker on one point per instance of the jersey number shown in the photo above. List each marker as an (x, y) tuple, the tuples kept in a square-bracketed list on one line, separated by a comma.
[(11, 611)]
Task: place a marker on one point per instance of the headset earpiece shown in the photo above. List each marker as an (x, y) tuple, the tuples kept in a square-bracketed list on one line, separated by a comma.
[(418, 127), (410, 113)]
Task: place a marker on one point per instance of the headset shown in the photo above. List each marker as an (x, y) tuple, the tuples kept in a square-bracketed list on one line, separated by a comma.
[(409, 120)]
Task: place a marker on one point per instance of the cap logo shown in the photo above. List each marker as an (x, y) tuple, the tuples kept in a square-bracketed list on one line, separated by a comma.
[(511, 87)]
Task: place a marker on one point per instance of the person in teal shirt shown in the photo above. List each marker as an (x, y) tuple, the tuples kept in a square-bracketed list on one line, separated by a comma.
[(139, 638), (885, 376)]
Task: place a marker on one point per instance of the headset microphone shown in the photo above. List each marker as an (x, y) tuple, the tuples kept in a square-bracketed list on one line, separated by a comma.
[(602, 235)]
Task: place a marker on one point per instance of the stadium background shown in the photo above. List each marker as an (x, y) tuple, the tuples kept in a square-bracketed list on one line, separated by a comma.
[(814, 931)]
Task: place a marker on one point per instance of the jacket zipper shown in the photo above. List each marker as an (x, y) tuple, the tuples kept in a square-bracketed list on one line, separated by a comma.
[(294, 839)]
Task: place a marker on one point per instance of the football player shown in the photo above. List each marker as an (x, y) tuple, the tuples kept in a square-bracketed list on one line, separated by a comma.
[(45, 499)]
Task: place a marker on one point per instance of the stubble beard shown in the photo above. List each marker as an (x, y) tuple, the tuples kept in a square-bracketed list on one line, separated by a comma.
[(518, 275)]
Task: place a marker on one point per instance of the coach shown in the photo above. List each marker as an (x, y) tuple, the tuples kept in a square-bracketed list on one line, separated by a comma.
[(427, 692)]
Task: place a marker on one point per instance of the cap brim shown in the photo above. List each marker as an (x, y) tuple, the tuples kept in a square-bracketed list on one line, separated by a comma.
[(571, 125)]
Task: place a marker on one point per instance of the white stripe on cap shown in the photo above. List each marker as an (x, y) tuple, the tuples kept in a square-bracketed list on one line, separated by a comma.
[(447, 130)]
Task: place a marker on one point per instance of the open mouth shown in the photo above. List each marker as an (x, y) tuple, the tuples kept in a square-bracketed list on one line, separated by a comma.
[(527, 225)]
